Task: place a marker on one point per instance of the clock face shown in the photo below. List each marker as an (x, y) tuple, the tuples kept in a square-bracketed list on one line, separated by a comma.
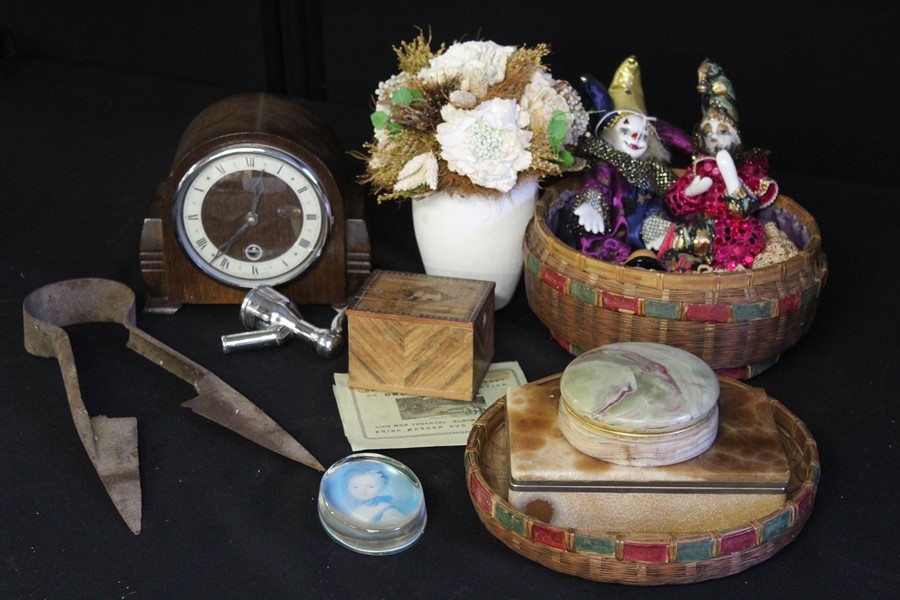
[(251, 215)]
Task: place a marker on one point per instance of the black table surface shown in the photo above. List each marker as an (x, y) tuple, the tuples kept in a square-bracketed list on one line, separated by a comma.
[(81, 152)]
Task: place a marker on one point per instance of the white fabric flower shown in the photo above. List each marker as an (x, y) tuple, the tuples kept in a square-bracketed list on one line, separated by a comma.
[(477, 64), (541, 98), (580, 118), (386, 89), (420, 169), (488, 144), (383, 103)]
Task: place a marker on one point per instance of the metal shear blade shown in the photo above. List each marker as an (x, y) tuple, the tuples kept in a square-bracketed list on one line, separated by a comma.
[(111, 443)]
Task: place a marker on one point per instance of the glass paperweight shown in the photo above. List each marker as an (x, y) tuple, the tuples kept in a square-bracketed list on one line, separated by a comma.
[(372, 504)]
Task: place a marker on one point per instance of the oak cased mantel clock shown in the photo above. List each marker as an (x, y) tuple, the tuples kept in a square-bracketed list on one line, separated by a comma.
[(256, 195)]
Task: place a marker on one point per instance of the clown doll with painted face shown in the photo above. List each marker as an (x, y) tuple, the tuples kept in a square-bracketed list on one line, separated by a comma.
[(716, 198), (629, 174)]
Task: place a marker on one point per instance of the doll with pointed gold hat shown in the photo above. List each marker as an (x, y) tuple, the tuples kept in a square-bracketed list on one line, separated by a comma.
[(629, 174), (714, 202)]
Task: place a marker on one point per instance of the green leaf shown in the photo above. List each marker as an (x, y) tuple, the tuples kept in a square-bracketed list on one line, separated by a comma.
[(405, 95), (393, 128), (558, 127), (380, 119), (565, 158)]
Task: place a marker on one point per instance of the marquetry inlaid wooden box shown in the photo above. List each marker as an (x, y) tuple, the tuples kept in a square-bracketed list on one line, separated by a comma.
[(421, 334)]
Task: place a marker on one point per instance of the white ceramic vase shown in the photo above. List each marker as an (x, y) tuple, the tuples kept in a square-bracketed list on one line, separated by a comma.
[(475, 236)]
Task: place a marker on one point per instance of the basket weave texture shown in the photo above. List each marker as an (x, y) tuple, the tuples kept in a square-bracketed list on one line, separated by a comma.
[(638, 559), (738, 322)]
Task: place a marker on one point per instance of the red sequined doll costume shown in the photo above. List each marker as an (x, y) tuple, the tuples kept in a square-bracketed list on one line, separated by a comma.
[(737, 236), (714, 201)]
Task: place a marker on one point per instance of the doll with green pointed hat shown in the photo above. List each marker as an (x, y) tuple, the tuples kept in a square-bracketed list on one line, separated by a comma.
[(715, 201)]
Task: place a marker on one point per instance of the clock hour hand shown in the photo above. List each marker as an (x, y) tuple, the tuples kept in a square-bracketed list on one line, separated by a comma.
[(258, 188), (250, 220)]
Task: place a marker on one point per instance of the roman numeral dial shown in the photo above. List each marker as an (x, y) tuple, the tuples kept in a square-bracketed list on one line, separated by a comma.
[(251, 215)]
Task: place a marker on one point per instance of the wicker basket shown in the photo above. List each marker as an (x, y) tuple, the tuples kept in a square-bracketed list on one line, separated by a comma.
[(739, 323), (638, 559)]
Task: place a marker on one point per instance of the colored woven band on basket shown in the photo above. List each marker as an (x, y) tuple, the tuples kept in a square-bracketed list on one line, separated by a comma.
[(672, 310), (676, 549), (640, 558), (739, 372), (673, 550)]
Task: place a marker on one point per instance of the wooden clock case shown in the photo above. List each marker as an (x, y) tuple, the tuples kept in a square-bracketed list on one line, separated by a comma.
[(257, 119)]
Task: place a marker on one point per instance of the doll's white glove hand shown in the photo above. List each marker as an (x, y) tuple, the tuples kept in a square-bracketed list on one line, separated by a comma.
[(590, 219), (728, 171), (698, 186), (656, 243)]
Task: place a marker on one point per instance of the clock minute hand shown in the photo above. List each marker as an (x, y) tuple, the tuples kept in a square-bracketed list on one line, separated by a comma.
[(238, 235), (251, 219)]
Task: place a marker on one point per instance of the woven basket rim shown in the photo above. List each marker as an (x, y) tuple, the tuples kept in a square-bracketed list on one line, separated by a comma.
[(553, 546), (662, 280)]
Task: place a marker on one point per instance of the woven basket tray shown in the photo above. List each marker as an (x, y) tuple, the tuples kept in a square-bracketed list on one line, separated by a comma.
[(638, 559), (739, 323)]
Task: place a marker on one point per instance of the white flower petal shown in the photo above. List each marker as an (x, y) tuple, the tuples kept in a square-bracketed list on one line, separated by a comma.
[(488, 144), (478, 65), (544, 95), (420, 169)]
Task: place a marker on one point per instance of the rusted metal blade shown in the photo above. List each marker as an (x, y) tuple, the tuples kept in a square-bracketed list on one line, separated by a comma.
[(112, 444), (220, 403), (233, 411), (116, 462)]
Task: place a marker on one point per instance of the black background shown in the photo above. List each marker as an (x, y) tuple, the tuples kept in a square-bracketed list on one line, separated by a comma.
[(93, 98)]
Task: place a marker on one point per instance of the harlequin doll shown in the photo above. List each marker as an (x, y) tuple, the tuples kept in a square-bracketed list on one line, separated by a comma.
[(630, 172), (716, 198)]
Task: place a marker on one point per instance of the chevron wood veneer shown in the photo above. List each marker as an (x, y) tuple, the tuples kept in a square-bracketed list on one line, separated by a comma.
[(421, 334)]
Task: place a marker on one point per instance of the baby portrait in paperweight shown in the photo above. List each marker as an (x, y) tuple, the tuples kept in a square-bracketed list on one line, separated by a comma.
[(372, 504), (368, 501)]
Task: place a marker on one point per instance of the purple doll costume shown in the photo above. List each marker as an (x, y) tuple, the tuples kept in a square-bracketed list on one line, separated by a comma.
[(627, 190), (629, 177)]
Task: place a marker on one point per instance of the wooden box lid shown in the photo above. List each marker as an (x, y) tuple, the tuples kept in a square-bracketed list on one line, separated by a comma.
[(420, 334), (417, 296)]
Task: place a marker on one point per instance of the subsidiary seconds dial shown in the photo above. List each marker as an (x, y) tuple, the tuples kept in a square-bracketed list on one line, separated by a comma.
[(251, 215)]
